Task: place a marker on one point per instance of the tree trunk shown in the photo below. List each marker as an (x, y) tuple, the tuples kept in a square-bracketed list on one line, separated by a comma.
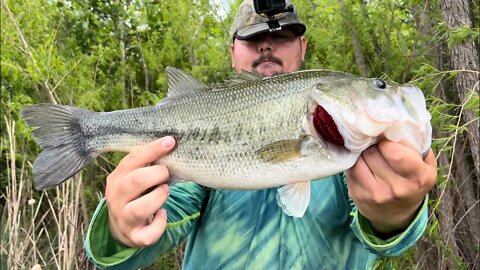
[(458, 209), (466, 211), (357, 45), (143, 62), (464, 57), (363, 7), (123, 60), (445, 217), (428, 254), (388, 40)]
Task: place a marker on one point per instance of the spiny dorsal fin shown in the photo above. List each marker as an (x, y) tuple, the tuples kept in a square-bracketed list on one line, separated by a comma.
[(243, 77), (249, 76), (281, 151), (180, 82)]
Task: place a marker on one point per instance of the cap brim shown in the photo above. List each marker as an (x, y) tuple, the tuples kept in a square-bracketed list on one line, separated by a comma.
[(260, 28)]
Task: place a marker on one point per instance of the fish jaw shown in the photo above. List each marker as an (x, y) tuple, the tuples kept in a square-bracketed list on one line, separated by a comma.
[(397, 116), (413, 124)]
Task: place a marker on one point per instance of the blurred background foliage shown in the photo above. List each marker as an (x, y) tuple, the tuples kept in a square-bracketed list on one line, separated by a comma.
[(110, 55)]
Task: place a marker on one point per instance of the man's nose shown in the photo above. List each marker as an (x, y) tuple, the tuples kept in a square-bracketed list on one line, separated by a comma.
[(265, 45)]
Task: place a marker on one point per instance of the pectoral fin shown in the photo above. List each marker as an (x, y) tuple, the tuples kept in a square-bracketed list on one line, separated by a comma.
[(280, 151), (294, 198)]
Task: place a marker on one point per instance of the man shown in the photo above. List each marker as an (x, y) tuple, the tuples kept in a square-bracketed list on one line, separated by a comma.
[(377, 208)]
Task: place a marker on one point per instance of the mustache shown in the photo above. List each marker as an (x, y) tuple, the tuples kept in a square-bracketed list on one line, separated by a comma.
[(266, 57)]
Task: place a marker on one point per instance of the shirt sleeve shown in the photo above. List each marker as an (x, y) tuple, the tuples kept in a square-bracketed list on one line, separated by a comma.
[(395, 245), (183, 208)]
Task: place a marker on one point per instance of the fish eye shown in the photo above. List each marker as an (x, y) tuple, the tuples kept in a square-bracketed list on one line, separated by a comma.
[(379, 83)]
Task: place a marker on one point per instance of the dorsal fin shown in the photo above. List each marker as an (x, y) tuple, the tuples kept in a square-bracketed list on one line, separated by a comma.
[(243, 77), (180, 82)]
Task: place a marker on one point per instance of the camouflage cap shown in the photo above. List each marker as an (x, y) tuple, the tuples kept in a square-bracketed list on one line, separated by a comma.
[(248, 23)]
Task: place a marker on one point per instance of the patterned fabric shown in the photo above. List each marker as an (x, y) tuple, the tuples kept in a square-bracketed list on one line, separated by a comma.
[(247, 230)]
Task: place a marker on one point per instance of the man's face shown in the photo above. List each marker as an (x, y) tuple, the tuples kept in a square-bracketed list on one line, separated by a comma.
[(269, 53)]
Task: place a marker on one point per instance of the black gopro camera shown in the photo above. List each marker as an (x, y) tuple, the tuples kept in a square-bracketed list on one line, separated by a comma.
[(271, 7)]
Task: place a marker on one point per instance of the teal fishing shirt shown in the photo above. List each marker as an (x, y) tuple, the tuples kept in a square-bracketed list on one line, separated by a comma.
[(230, 229)]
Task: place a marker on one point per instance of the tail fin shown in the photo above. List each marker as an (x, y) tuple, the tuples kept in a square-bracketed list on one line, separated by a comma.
[(57, 129)]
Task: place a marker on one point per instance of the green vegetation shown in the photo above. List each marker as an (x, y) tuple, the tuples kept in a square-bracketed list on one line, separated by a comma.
[(110, 55)]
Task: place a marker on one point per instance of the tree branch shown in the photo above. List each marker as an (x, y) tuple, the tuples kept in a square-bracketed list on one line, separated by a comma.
[(43, 87)]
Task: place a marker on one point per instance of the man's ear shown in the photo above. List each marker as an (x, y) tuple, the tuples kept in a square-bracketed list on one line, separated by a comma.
[(232, 48), (303, 45)]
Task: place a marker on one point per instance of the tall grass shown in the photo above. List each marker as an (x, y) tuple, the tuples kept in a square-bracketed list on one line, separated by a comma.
[(40, 230)]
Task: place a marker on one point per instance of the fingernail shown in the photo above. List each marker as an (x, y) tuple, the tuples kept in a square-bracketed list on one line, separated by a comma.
[(168, 142), (166, 187), (163, 213)]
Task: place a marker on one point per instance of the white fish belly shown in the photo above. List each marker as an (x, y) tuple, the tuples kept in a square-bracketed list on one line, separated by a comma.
[(253, 173)]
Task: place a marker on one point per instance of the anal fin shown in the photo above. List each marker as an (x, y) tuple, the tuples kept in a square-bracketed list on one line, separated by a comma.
[(294, 198)]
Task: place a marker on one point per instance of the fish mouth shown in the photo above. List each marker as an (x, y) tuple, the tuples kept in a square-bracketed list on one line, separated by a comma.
[(326, 127)]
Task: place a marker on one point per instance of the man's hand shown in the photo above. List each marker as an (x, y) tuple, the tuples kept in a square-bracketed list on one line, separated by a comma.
[(135, 193), (388, 183)]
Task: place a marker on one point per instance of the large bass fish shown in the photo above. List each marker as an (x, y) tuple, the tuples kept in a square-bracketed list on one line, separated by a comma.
[(248, 133)]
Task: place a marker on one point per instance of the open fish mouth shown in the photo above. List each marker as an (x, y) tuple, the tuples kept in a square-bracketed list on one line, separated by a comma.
[(344, 131), (325, 126), (322, 123)]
